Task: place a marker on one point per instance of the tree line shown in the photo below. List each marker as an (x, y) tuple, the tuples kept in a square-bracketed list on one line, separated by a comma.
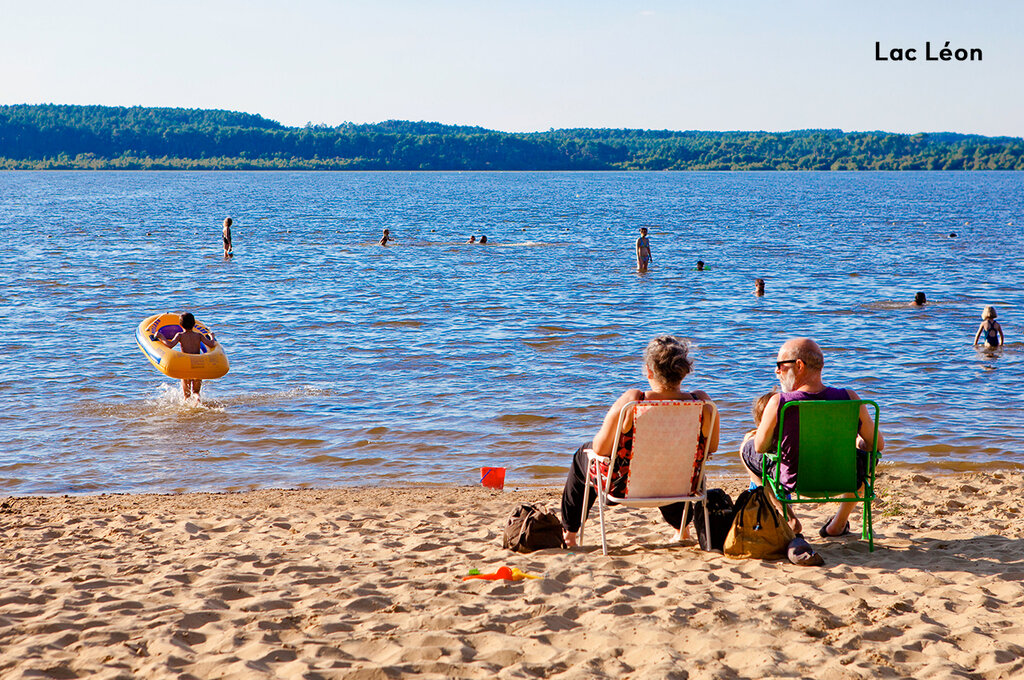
[(52, 136)]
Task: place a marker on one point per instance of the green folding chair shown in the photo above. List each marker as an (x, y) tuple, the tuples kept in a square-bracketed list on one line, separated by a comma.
[(827, 457)]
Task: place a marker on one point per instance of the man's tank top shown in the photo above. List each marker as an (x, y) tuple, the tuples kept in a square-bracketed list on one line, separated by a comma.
[(791, 431)]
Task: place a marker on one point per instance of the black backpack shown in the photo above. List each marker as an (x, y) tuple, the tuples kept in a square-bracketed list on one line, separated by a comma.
[(720, 515), (532, 528)]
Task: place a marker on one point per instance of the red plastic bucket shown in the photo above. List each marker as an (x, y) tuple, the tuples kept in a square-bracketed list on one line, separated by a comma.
[(493, 477)]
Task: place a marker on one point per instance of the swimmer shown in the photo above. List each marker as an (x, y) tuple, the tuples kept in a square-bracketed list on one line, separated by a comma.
[(226, 235), (643, 251), (483, 239), (700, 265), (386, 237), (989, 329), (919, 299), (191, 343), (472, 239), (759, 287)]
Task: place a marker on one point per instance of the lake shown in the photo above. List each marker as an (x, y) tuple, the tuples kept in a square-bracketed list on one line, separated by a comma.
[(353, 364)]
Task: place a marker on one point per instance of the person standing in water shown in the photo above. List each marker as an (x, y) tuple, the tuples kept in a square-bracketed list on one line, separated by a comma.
[(386, 237), (226, 235), (759, 287), (191, 343), (989, 329), (643, 251)]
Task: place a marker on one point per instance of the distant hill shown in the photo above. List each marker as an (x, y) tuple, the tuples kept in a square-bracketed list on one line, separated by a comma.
[(52, 136)]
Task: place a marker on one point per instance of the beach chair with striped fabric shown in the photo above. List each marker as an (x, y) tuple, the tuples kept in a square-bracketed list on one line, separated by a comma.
[(666, 465)]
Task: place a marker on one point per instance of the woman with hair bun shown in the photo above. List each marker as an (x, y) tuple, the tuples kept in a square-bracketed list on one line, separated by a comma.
[(666, 362)]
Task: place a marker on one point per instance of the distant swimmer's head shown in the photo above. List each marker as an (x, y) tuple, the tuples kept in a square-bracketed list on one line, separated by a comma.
[(188, 322), (952, 234), (919, 298), (227, 222), (989, 313), (472, 239), (759, 286), (483, 239), (643, 231), (668, 359), (700, 265)]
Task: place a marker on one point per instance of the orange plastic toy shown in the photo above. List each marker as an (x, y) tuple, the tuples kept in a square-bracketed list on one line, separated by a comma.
[(503, 574)]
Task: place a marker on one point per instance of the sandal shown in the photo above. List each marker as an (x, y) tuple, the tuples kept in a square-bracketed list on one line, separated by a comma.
[(823, 531)]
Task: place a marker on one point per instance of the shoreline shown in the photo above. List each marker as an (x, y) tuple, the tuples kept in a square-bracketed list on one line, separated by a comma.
[(732, 472), (366, 583)]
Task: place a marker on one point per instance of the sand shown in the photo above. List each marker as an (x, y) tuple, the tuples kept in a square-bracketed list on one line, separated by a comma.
[(366, 583)]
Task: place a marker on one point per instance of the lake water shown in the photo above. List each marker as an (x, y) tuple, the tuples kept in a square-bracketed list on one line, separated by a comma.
[(420, 362)]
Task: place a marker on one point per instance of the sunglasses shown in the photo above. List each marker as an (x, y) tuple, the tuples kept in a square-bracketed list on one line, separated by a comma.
[(780, 364)]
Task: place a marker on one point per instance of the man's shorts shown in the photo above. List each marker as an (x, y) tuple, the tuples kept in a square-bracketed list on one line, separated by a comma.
[(754, 461)]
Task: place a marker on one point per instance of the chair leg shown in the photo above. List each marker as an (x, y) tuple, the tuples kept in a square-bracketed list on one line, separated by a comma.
[(682, 521), (707, 522), (867, 525), (583, 510), (601, 500)]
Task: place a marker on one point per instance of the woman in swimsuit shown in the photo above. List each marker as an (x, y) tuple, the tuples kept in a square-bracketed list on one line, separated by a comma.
[(990, 329), (666, 363)]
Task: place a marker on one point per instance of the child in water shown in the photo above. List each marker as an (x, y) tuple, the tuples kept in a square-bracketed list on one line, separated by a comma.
[(226, 235), (386, 237), (990, 329), (190, 342), (759, 292), (643, 251)]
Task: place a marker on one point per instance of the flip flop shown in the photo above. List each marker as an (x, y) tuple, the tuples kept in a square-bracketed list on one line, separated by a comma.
[(823, 531)]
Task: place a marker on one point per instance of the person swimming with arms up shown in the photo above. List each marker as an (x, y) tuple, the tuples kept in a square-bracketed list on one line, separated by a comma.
[(191, 343)]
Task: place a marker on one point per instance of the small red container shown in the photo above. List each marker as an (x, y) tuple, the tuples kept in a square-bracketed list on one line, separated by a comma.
[(493, 477)]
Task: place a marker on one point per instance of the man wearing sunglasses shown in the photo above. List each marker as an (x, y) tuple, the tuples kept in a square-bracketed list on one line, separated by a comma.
[(798, 367)]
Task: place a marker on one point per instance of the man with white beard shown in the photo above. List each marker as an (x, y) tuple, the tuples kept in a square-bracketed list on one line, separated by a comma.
[(798, 367)]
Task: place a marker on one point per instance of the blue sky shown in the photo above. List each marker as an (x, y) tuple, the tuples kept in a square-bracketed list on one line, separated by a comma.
[(524, 66)]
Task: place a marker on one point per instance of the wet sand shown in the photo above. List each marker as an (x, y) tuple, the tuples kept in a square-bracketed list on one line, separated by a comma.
[(366, 583)]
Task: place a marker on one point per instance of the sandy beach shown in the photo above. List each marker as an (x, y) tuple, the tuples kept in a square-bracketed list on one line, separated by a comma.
[(366, 583)]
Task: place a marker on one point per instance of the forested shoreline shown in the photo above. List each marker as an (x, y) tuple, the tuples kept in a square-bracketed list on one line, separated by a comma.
[(58, 137)]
